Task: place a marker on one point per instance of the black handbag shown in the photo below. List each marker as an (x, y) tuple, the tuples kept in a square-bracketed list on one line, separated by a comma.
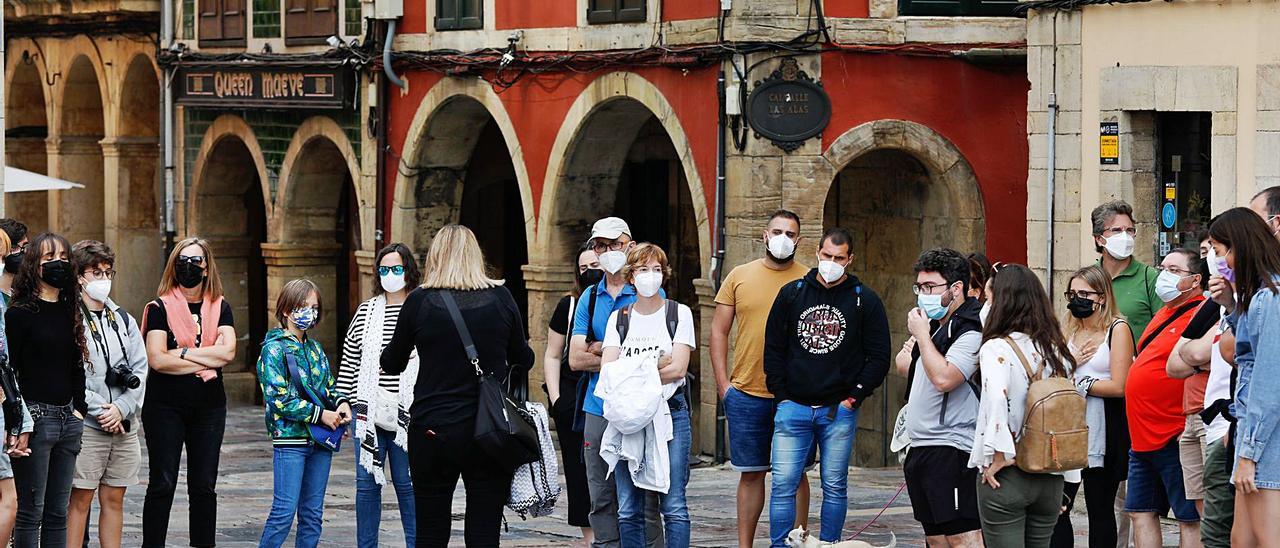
[(12, 405), (504, 430)]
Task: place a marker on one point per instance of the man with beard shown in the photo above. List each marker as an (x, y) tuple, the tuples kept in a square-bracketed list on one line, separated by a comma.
[(747, 295)]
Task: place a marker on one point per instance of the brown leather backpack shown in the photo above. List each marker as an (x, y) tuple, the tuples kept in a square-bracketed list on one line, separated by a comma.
[(1054, 436)]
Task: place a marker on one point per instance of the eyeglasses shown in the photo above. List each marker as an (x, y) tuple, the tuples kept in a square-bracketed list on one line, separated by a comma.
[(108, 274), (1180, 272), (193, 259), (602, 246), (1081, 293), (398, 270), (1132, 231), (927, 288)]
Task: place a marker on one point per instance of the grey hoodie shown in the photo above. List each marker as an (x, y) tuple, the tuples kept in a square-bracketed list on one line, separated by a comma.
[(111, 336)]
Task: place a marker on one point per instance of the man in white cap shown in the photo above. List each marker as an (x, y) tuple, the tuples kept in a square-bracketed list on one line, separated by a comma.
[(611, 240)]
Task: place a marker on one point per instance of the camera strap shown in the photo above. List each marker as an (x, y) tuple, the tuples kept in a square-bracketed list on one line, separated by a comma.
[(101, 343)]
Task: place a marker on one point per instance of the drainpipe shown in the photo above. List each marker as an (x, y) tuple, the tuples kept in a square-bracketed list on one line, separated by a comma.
[(717, 259), (166, 40), (1051, 167), (381, 229), (386, 56)]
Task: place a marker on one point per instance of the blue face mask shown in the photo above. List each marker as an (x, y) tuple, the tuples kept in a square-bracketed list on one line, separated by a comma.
[(304, 318), (931, 305)]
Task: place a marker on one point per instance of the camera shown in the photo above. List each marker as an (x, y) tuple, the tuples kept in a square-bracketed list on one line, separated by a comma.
[(120, 376)]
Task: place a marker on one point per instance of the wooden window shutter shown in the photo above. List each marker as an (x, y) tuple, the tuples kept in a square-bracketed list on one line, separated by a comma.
[(310, 20), (222, 20), (630, 10), (602, 11), (459, 14)]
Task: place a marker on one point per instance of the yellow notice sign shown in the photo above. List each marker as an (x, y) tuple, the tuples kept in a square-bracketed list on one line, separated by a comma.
[(1109, 143)]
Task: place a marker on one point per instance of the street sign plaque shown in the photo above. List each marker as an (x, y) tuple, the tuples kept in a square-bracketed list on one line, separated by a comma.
[(260, 86)]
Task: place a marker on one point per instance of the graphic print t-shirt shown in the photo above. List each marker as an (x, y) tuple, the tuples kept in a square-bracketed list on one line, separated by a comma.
[(648, 333)]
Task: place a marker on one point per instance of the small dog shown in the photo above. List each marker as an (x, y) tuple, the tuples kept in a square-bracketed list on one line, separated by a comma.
[(799, 538)]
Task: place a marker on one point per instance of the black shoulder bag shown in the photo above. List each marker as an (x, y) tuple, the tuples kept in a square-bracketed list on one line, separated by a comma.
[(504, 429)]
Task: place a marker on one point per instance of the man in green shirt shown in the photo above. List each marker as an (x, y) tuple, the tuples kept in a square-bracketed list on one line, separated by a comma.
[(1134, 283)]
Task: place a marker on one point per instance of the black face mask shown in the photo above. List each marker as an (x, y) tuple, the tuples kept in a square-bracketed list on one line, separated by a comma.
[(1080, 307), (188, 275), (56, 273), (590, 277), (12, 262)]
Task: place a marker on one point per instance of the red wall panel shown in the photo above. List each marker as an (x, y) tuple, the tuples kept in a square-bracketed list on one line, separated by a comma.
[(679, 10), (846, 8), (526, 14)]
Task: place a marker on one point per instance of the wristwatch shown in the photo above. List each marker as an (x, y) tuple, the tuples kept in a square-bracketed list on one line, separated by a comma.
[(183, 355)]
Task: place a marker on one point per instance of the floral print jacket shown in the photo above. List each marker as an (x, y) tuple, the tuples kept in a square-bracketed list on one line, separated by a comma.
[(289, 413)]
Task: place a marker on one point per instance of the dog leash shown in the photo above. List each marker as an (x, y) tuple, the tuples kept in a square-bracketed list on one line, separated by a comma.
[(901, 486)]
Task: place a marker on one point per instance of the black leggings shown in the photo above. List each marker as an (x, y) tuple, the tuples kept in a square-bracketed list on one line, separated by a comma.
[(1099, 499), (437, 457), (575, 469)]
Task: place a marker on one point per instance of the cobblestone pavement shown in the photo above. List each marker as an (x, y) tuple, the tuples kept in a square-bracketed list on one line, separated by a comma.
[(244, 494)]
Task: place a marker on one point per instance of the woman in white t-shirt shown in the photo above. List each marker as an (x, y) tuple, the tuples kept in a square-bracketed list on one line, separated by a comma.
[(1018, 509), (645, 329)]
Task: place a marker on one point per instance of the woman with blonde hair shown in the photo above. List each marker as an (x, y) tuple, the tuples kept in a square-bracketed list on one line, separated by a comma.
[(445, 400), (190, 335), (1102, 345)]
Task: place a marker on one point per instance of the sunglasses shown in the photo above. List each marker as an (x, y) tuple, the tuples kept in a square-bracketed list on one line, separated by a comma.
[(398, 270), (193, 259)]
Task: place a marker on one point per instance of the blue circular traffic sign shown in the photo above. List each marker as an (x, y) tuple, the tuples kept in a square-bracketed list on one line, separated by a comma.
[(1169, 216)]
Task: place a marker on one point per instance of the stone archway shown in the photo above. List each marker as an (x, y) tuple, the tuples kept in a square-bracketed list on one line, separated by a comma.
[(232, 215), (132, 183), (900, 188), (27, 128), (623, 152), (75, 153), (315, 230)]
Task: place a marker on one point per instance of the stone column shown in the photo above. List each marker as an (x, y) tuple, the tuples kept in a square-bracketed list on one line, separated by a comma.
[(77, 214), (366, 281), (704, 415), (545, 285), (233, 254), (131, 215), (32, 208)]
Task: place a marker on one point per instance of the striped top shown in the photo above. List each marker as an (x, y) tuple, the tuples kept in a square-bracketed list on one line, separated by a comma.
[(351, 347)]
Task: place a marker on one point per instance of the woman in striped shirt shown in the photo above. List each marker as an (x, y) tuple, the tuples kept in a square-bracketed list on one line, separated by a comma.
[(381, 401)]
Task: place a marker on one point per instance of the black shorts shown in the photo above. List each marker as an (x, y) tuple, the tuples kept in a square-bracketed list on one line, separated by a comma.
[(943, 490)]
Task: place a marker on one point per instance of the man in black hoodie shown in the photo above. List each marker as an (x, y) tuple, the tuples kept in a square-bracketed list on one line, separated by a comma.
[(826, 350)]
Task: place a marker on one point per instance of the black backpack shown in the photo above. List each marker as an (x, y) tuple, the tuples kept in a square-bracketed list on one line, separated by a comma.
[(624, 320)]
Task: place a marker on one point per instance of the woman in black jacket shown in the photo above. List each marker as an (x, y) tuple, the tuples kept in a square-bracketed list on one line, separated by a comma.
[(442, 424)]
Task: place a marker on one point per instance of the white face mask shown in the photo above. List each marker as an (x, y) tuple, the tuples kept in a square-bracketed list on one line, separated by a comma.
[(98, 290), (648, 283), (830, 271), (613, 261), (1120, 246), (984, 313), (781, 247), (1167, 286), (392, 283)]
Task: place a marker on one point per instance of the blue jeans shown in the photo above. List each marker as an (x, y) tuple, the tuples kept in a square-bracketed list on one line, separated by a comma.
[(795, 427), (675, 512), (369, 493), (301, 476)]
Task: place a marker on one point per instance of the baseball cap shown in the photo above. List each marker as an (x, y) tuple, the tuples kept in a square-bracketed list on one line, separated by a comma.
[(609, 228)]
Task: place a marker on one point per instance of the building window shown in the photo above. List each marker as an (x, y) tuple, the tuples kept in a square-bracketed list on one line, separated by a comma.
[(353, 18), (188, 19), (615, 11), (994, 8), (459, 14), (310, 21), (266, 18), (222, 22)]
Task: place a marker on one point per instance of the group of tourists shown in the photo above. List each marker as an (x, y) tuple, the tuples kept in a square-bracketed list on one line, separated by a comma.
[(1171, 367)]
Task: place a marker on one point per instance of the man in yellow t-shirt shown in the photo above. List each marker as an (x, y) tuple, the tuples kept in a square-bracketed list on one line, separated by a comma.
[(747, 295)]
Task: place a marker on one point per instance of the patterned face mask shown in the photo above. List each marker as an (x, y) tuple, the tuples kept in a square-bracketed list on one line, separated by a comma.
[(304, 317)]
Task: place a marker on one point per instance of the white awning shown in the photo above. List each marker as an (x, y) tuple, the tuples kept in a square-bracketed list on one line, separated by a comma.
[(21, 180)]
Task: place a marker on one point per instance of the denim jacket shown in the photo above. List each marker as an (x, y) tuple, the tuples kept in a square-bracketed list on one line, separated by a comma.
[(287, 412), (1257, 403)]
